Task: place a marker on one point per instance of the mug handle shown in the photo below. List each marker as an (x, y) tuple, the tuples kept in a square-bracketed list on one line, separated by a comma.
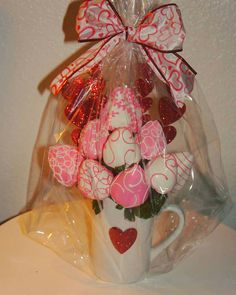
[(155, 251)]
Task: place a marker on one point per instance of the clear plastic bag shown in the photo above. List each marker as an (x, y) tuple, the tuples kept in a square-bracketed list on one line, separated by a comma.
[(126, 176)]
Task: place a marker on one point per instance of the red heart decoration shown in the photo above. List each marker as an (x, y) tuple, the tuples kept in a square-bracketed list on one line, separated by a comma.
[(144, 86), (80, 115), (122, 240), (145, 71), (87, 107), (146, 103), (75, 134), (170, 133), (73, 88), (146, 118), (169, 112)]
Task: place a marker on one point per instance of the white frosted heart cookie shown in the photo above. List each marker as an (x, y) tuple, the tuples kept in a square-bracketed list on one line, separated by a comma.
[(122, 110), (121, 149), (64, 160), (152, 140), (94, 180), (161, 173), (92, 139)]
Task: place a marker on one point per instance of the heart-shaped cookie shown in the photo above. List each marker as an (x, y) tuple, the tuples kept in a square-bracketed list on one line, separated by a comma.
[(123, 240)]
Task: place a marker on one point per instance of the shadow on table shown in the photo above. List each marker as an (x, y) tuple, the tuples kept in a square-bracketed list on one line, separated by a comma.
[(70, 35)]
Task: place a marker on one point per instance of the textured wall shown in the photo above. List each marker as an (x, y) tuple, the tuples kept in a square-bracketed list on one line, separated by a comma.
[(32, 45)]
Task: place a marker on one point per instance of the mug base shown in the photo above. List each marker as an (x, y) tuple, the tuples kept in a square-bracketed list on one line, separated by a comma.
[(120, 281)]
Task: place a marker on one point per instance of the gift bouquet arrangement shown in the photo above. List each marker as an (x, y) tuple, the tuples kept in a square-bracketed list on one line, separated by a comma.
[(126, 184)]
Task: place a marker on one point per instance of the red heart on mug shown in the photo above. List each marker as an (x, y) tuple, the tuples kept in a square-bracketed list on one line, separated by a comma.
[(169, 112), (122, 240)]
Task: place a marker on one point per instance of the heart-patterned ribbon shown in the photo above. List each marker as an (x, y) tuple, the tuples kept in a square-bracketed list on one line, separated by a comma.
[(160, 35)]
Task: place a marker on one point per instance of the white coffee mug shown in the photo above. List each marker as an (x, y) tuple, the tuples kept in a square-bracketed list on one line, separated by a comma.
[(122, 250)]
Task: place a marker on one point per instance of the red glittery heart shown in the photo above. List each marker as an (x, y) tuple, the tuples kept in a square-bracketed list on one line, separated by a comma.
[(170, 133), (122, 240), (146, 103), (87, 107), (169, 112), (144, 71), (146, 118), (75, 135), (144, 86), (73, 88)]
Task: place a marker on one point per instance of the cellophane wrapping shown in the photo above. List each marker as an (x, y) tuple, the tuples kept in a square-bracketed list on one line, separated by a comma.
[(115, 134)]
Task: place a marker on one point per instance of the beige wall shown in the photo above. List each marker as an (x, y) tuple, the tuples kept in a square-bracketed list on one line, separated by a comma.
[(32, 45)]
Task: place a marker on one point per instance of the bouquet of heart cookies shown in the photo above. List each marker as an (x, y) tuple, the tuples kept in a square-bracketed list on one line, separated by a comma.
[(127, 180)]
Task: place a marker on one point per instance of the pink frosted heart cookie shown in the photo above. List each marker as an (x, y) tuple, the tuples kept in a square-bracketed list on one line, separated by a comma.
[(184, 167), (64, 160), (93, 138), (161, 173), (94, 180), (152, 140), (121, 149), (129, 188), (122, 110)]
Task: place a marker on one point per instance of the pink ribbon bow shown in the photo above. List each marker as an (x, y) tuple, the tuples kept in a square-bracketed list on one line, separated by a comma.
[(160, 35)]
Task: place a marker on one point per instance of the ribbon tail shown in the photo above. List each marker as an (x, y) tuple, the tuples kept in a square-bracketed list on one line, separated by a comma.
[(173, 70), (86, 61)]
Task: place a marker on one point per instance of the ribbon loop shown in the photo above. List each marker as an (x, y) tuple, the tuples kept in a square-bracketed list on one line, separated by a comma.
[(97, 21), (160, 35), (161, 29)]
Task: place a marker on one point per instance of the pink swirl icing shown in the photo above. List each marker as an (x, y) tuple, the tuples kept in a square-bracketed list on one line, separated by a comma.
[(93, 138), (64, 160), (94, 180), (122, 110), (161, 173), (152, 140), (121, 149), (129, 188)]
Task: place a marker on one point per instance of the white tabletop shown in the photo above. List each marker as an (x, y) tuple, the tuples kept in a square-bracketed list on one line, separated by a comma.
[(28, 268)]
